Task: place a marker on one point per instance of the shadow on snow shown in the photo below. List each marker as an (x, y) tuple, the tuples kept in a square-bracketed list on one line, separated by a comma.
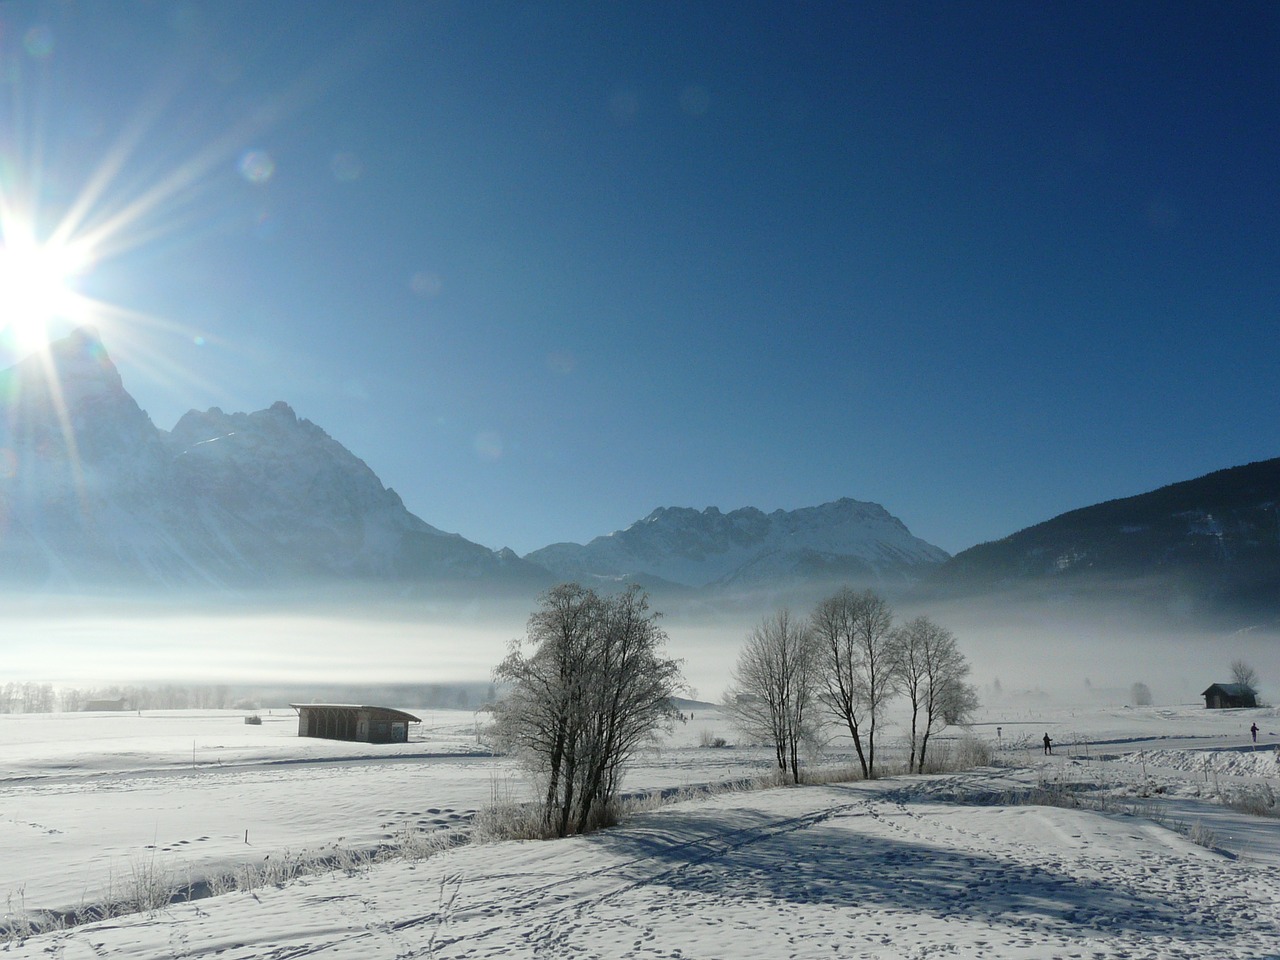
[(824, 860)]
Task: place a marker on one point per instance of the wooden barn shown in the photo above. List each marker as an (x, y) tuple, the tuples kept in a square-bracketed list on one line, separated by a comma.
[(104, 705), (1222, 695), (349, 721)]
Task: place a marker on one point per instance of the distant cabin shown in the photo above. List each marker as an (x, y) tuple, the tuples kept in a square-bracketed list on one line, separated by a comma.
[(1222, 695), (348, 721), (103, 705)]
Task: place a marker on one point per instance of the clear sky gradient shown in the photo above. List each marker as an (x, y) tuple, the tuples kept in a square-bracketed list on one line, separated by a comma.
[(548, 266)]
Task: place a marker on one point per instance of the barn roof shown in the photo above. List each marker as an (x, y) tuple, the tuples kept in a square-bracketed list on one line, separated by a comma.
[(1231, 689), (375, 713)]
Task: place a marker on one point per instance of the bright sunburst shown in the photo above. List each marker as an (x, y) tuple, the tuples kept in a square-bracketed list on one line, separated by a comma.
[(38, 284)]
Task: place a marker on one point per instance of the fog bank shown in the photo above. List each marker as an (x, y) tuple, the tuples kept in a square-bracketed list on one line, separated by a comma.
[(1026, 651)]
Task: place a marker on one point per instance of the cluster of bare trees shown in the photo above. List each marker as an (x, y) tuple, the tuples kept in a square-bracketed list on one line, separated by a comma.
[(845, 663), (28, 698), (594, 687)]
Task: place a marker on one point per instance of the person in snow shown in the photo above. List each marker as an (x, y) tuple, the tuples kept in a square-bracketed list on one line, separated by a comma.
[(1048, 745), (1254, 731)]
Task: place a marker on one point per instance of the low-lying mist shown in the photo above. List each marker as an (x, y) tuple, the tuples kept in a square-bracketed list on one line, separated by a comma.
[(1036, 651), (1020, 652), (287, 647)]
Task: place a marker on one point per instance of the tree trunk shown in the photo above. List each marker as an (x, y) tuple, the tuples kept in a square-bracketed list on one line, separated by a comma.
[(915, 713), (871, 747), (857, 745)]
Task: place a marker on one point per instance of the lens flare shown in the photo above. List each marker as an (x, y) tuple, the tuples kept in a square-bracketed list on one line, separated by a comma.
[(488, 446), (38, 42), (426, 284), (346, 167), (257, 166)]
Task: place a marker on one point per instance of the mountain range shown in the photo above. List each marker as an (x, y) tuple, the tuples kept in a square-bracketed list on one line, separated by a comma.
[(94, 496), (747, 548)]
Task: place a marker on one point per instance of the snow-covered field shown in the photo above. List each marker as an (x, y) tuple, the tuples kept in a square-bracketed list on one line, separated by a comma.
[(94, 806)]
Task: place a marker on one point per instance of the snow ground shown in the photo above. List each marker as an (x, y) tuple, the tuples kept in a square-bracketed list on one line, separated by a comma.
[(947, 865)]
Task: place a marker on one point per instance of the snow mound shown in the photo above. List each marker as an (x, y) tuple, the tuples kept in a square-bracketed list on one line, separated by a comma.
[(1263, 762)]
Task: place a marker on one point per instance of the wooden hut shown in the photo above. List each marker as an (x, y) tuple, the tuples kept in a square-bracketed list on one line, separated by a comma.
[(1222, 695), (349, 721), (113, 706)]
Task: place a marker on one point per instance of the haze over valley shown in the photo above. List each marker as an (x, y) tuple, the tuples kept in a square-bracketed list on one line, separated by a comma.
[(253, 548)]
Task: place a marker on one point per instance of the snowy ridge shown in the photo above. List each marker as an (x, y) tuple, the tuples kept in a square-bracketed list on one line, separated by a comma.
[(838, 540), (1205, 548)]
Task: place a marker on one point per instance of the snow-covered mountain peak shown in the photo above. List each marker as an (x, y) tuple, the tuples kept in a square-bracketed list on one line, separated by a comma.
[(69, 405), (696, 548), (70, 373), (100, 495)]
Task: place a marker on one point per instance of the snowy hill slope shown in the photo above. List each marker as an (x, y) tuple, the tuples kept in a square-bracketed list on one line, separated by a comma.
[(93, 494), (845, 540), (1210, 545)]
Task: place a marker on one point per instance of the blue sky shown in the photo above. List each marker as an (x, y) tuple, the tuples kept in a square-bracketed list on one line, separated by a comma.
[(546, 267)]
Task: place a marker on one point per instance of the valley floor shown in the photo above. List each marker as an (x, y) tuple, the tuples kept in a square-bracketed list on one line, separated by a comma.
[(953, 865)]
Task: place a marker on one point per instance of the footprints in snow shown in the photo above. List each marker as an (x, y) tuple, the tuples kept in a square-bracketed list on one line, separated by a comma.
[(177, 845), (431, 819), (51, 831)]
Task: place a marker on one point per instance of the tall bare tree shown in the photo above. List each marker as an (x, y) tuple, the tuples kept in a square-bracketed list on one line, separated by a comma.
[(1244, 674), (857, 662), (594, 687), (772, 692), (629, 695), (932, 675)]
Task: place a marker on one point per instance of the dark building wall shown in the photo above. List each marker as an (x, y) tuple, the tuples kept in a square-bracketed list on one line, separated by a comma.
[(328, 723), (360, 724), (1216, 698)]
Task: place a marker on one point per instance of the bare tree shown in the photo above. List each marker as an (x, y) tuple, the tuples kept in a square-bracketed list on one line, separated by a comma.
[(594, 687), (854, 634), (1243, 674), (773, 688), (932, 674), (629, 697)]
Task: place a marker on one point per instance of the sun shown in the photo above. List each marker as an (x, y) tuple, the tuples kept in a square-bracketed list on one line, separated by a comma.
[(38, 285)]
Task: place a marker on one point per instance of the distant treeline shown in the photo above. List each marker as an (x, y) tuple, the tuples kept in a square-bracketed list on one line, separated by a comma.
[(438, 696), (46, 698)]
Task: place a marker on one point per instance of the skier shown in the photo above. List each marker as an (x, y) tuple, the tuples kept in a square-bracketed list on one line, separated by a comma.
[(1048, 745)]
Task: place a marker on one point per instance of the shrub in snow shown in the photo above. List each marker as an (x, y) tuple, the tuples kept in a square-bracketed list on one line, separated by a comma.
[(1256, 798)]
